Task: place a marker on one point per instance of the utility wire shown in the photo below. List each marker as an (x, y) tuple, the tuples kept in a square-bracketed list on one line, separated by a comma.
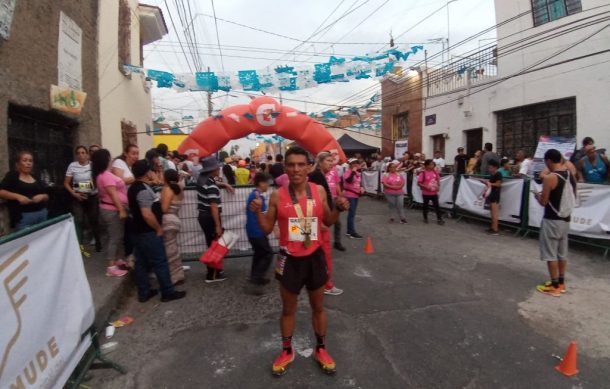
[(222, 64)]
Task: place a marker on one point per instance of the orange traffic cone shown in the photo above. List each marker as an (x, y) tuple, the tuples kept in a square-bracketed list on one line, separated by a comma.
[(368, 249), (568, 363)]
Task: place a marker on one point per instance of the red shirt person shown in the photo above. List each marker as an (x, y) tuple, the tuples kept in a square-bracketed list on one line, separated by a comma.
[(300, 210)]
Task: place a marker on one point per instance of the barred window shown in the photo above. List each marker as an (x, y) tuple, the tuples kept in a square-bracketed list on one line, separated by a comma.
[(545, 11)]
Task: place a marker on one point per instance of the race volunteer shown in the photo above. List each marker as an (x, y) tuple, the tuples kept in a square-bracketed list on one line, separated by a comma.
[(300, 209)]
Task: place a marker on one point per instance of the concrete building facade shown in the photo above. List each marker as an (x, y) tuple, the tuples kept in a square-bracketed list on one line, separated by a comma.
[(401, 112), (124, 27), (31, 60), (548, 74)]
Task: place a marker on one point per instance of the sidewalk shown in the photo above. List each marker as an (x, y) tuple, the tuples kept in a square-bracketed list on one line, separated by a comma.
[(107, 291)]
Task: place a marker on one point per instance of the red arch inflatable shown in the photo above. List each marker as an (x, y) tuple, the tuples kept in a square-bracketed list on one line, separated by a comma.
[(263, 115)]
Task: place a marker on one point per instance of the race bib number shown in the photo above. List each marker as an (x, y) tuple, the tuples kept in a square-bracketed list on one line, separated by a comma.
[(296, 233), (84, 186)]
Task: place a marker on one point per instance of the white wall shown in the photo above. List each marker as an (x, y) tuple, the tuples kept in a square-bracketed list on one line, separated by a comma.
[(586, 79), (121, 98)]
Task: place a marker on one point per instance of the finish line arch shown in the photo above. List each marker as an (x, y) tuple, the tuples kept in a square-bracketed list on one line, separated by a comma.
[(264, 115)]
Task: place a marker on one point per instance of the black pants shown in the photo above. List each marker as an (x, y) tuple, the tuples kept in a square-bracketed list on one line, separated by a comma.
[(337, 231), (88, 209), (206, 222), (261, 260), (434, 200)]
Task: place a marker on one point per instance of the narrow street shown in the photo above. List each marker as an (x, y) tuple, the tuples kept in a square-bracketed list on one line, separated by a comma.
[(433, 307)]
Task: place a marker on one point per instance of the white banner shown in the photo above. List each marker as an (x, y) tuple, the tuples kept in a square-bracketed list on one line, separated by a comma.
[(191, 238), (445, 195), (471, 198), (590, 218), (69, 54), (370, 181), (46, 307)]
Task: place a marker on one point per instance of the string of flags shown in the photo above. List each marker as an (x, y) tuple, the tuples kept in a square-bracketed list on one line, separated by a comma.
[(282, 78)]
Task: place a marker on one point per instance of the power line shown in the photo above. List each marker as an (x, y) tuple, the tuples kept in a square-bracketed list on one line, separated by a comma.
[(217, 36)]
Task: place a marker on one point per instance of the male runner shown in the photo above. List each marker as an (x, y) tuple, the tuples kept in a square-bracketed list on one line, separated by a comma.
[(300, 209)]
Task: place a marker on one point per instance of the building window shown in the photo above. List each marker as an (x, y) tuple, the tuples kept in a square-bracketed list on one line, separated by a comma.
[(401, 126), (438, 144), (520, 128), (545, 11), (48, 135), (124, 35)]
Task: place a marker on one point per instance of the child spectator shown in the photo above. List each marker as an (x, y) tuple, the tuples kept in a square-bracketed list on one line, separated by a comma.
[(261, 259), (429, 182), (505, 170)]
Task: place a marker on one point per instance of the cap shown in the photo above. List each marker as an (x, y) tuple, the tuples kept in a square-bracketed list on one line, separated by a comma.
[(352, 160), (209, 164)]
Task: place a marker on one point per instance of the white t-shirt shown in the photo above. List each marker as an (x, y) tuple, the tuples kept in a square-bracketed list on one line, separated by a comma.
[(81, 177), (120, 164), (527, 167), (440, 162)]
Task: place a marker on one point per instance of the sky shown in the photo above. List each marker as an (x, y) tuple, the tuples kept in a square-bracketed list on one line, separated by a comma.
[(317, 28)]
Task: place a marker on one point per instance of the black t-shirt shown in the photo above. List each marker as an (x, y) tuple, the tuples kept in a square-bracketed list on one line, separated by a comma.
[(494, 195), (318, 178), (276, 170), (12, 183), (555, 197), (460, 163)]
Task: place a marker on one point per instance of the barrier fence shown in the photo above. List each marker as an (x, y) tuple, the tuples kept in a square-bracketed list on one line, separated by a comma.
[(191, 239), (463, 196)]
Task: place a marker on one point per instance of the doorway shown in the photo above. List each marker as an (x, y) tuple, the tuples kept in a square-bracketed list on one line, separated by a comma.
[(474, 141), (438, 144)]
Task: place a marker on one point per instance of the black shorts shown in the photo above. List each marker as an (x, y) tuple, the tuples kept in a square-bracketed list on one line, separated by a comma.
[(295, 272)]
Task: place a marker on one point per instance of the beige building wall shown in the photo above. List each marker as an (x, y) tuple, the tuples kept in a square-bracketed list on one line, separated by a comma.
[(123, 98)]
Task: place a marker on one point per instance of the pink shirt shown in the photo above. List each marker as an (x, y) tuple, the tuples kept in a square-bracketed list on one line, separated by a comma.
[(351, 189), (108, 179), (431, 180), (282, 180), (333, 180), (393, 179)]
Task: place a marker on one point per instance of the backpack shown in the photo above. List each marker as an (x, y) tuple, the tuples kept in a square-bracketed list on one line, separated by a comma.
[(568, 201)]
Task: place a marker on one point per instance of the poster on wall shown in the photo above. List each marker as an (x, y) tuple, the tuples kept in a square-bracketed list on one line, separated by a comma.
[(7, 8), (67, 99), (69, 54), (400, 147), (566, 147)]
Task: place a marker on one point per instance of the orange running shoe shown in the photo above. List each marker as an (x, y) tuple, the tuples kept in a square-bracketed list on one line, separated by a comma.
[(550, 290), (562, 287), (325, 361), (280, 366)]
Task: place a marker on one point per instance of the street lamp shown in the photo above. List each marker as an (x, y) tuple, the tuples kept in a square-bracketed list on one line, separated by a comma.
[(448, 33)]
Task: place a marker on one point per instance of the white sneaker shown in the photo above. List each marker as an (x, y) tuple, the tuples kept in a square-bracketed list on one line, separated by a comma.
[(186, 268), (334, 291)]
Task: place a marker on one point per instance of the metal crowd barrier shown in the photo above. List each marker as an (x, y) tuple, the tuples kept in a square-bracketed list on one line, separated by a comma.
[(191, 239)]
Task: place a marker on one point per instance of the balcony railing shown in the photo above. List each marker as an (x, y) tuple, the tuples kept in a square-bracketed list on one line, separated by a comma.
[(463, 72)]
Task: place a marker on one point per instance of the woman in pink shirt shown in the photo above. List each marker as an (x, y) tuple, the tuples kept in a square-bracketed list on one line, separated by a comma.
[(113, 211), (393, 189), (430, 181), (352, 191)]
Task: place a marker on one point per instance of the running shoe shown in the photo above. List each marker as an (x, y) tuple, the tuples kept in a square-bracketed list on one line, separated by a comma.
[(355, 235), (492, 232), (325, 361), (339, 246), (550, 290), (562, 287), (114, 271), (280, 365), (84, 252), (334, 291)]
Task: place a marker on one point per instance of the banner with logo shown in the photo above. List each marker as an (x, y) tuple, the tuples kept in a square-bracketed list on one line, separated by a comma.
[(590, 217), (46, 307), (370, 181), (445, 194), (566, 146), (471, 198), (400, 147)]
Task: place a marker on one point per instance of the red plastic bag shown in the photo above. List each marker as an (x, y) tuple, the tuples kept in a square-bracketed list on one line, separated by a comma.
[(214, 255)]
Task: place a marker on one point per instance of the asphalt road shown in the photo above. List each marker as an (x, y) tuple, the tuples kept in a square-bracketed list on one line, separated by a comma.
[(433, 307)]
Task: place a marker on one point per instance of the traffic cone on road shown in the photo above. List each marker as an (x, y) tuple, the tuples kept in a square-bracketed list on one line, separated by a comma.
[(368, 249), (568, 363)]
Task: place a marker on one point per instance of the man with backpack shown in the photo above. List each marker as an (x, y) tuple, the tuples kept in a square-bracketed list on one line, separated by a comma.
[(558, 199)]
